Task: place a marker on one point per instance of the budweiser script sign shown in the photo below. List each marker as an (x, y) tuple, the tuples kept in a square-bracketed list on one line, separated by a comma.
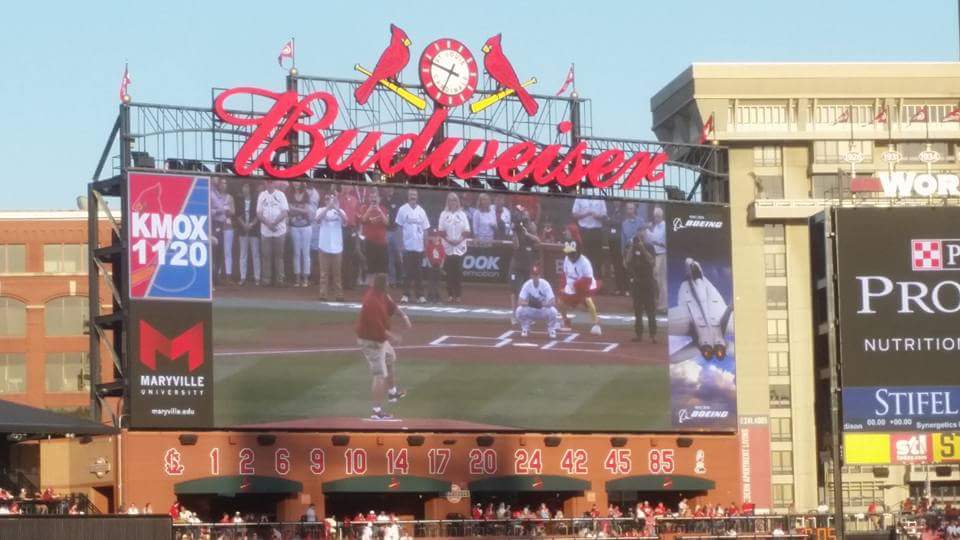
[(418, 153)]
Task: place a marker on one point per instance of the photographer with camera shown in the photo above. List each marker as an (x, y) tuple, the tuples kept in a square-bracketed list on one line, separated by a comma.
[(526, 253)]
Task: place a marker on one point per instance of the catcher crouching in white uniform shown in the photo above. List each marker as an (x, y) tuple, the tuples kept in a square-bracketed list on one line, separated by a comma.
[(537, 303)]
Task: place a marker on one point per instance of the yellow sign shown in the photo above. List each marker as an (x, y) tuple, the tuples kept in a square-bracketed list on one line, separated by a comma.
[(946, 447), (866, 448)]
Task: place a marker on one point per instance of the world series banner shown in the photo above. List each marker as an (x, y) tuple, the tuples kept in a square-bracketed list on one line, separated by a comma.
[(169, 237), (899, 310)]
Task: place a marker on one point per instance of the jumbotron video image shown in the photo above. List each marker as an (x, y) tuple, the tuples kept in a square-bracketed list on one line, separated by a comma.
[(345, 306)]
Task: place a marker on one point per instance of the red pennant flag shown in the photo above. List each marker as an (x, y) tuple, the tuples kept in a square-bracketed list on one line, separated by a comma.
[(920, 115), (124, 83), (707, 130), (952, 116), (567, 82), (286, 52), (844, 117), (881, 117)]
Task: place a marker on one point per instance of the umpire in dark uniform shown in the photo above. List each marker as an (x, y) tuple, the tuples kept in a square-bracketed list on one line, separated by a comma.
[(638, 258)]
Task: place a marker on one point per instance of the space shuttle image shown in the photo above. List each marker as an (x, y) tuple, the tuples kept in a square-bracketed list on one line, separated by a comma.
[(701, 313)]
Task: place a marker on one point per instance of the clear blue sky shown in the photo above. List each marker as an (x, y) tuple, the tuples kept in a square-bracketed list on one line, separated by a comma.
[(61, 61)]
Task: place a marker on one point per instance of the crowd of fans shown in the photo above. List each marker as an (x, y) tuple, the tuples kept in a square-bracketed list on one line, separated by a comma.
[(332, 235), (44, 502)]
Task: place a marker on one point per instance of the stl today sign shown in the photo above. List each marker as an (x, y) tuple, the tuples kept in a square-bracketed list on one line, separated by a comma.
[(168, 244)]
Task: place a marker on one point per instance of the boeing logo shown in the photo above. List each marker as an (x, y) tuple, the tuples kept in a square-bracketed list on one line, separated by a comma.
[(683, 415), (696, 222)]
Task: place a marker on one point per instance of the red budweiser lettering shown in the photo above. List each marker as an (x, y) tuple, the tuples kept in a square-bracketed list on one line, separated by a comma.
[(413, 154)]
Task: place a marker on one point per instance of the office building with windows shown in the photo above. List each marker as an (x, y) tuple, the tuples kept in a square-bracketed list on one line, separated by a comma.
[(44, 310), (797, 134)]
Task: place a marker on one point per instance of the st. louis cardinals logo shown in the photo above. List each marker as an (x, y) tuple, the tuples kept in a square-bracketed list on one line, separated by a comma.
[(171, 462), (448, 73)]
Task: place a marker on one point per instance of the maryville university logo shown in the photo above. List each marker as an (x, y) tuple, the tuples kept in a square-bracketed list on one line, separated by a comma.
[(935, 255), (189, 344)]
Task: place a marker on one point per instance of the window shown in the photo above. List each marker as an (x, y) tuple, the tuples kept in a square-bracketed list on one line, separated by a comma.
[(66, 316), (767, 156), (777, 331), (67, 372), (13, 373), (13, 259), (782, 495), (770, 187), (833, 151), (13, 318), (773, 234), (778, 363), (775, 264), (65, 258), (779, 396), (781, 429), (776, 297), (781, 462), (828, 186)]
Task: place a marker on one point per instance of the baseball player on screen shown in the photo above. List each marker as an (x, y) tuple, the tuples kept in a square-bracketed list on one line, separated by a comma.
[(376, 344), (579, 285), (537, 303)]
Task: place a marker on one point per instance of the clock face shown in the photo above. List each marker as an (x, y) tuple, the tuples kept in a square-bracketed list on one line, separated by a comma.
[(448, 72)]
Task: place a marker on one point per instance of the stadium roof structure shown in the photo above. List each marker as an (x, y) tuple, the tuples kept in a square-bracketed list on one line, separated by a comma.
[(17, 418)]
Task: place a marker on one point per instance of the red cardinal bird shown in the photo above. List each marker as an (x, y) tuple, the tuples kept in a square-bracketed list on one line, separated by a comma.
[(499, 68), (392, 61)]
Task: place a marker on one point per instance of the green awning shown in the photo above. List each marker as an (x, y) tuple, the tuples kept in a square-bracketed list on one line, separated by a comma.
[(529, 483), (661, 482), (387, 484), (229, 486)]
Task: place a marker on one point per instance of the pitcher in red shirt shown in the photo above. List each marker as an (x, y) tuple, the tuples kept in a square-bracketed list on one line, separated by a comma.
[(376, 344)]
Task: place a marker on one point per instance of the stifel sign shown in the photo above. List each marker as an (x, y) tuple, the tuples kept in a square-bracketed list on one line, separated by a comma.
[(414, 154)]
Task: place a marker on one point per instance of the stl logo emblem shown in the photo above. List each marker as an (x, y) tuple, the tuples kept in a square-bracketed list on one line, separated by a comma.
[(171, 462), (701, 463), (927, 255)]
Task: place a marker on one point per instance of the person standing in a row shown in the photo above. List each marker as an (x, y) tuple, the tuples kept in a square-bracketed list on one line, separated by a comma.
[(656, 235), (413, 223), (301, 231), (272, 210), (454, 226), (374, 221), (331, 219), (248, 226)]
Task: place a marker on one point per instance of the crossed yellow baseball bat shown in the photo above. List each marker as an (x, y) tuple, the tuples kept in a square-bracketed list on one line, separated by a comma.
[(405, 94), (482, 104)]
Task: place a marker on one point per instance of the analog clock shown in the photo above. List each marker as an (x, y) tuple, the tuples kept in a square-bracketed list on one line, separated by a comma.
[(448, 72)]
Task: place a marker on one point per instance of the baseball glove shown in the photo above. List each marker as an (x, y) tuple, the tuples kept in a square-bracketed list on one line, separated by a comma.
[(535, 303)]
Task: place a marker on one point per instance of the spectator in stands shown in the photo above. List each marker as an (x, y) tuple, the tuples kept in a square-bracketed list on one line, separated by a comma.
[(175, 510), (221, 220), (302, 213), (148, 508), (503, 215), (374, 220), (75, 510), (413, 223), (617, 247), (392, 201), (656, 235), (502, 512), (311, 513), (454, 226), (132, 509), (486, 223), (248, 231), (272, 212), (350, 204), (331, 219)]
